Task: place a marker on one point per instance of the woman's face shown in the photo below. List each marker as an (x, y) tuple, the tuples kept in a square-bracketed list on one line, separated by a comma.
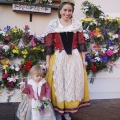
[(66, 12)]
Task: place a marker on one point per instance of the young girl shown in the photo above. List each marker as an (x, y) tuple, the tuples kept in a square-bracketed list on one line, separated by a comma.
[(36, 105)]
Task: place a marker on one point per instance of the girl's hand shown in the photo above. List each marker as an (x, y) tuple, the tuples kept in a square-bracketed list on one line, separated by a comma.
[(47, 66), (22, 84), (22, 87)]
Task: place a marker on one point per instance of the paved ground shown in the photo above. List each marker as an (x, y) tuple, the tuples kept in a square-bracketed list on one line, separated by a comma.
[(98, 110)]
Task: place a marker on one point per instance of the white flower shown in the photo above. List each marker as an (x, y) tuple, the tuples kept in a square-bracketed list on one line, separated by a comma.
[(115, 51), (102, 17), (86, 10), (96, 53), (17, 68), (98, 35), (103, 50), (6, 47), (97, 58), (13, 78), (2, 32), (86, 36), (86, 7), (111, 47), (115, 36), (12, 67)]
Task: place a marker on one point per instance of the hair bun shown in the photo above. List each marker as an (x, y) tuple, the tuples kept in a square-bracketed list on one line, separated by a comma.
[(68, 1)]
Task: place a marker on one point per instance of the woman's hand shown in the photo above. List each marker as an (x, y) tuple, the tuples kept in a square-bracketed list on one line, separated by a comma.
[(47, 67), (84, 64), (47, 62)]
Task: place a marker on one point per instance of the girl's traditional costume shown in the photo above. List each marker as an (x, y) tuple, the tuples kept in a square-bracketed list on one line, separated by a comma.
[(31, 108)]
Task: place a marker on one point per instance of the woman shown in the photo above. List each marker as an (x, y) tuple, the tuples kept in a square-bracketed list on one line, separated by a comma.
[(65, 62)]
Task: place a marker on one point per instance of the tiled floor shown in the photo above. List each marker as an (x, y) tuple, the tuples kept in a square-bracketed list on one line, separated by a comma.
[(98, 110)]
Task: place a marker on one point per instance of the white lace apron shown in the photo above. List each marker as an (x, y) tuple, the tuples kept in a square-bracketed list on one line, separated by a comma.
[(68, 76)]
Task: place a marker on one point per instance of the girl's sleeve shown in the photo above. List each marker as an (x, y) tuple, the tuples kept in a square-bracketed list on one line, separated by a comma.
[(48, 91), (81, 42), (26, 90), (49, 49)]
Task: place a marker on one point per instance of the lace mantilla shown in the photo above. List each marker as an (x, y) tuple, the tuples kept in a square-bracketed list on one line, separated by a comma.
[(68, 76), (56, 26)]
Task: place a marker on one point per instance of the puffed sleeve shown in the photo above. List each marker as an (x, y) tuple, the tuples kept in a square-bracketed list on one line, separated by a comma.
[(26, 90), (81, 42), (49, 49)]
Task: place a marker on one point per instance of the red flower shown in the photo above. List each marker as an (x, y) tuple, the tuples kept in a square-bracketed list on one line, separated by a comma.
[(21, 67), (94, 68), (12, 46), (28, 65), (10, 84)]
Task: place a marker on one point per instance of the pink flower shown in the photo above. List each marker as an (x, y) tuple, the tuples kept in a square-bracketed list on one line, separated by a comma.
[(7, 38), (5, 75), (32, 42), (26, 27), (103, 54), (109, 52), (118, 36)]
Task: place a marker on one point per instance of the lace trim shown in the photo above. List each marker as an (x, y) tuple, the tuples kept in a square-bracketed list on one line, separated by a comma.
[(68, 76), (49, 50), (55, 26), (82, 48)]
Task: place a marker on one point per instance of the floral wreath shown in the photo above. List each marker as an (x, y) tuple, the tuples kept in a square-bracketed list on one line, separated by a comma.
[(102, 37)]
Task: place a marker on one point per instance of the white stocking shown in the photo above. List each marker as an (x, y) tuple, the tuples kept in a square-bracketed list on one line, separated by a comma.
[(67, 116)]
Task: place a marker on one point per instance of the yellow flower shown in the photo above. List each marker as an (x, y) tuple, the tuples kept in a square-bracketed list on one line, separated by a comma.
[(87, 19), (42, 50), (34, 48), (15, 51), (15, 30), (25, 52), (81, 21), (24, 56), (5, 66)]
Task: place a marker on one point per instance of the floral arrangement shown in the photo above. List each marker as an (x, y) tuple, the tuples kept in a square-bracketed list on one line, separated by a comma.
[(42, 105), (42, 2), (91, 10), (19, 51), (102, 37)]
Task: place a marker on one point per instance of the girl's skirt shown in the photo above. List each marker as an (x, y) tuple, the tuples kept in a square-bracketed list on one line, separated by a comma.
[(28, 111)]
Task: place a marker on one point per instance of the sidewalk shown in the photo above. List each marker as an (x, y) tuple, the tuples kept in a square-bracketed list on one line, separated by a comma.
[(99, 110)]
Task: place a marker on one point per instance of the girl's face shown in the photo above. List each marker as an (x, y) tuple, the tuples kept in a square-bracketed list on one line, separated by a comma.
[(37, 78), (66, 12)]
